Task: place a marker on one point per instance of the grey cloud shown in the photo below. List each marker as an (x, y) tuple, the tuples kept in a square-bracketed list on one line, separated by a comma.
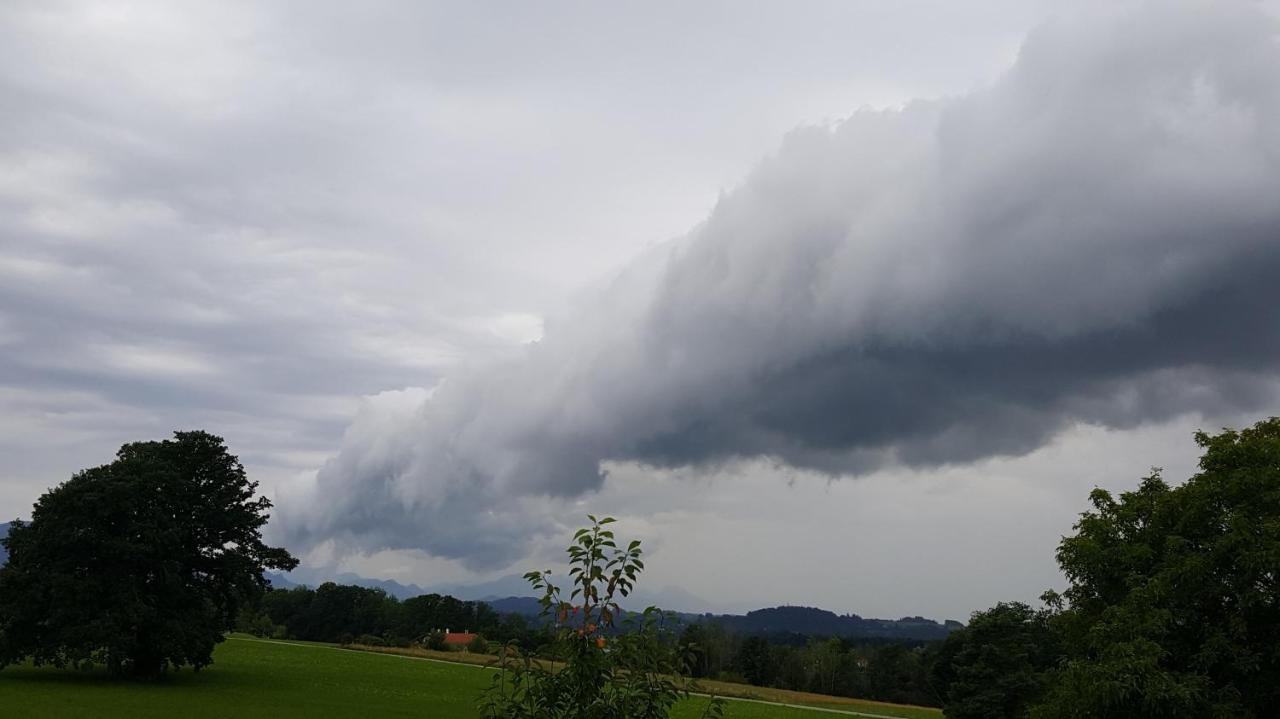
[(178, 251), (243, 216), (1093, 238)]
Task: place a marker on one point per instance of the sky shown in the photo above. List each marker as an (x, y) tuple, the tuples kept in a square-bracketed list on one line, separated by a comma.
[(845, 304)]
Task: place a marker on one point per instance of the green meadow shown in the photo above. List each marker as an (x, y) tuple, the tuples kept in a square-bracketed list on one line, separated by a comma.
[(252, 678)]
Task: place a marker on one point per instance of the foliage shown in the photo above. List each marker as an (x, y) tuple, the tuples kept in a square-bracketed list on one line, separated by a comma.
[(1173, 608), (435, 640), (883, 670), (331, 610), (370, 640), (696, 644), (1175, 592), (755, 661), (140, 564), (255, 621), (633, 674), (998, 665), (334, 612)]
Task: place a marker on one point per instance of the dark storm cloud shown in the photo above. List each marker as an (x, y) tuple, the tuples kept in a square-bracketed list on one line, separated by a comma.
[(1093, 238)]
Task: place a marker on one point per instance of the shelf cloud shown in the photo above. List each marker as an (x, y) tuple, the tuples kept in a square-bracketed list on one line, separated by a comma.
[(1094, 237)]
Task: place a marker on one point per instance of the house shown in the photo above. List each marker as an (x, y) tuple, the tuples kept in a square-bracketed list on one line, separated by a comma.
[(458, 639)]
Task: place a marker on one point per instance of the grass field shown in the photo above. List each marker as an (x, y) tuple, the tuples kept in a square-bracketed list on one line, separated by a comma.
[(722, 689), (252, 678)]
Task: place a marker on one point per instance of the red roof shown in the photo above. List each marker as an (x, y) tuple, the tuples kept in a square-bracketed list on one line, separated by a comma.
[(459, 638)]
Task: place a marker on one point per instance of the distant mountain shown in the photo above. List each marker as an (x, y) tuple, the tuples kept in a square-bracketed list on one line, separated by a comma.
[(675, 597), (510, 595), (516, 586), (820, 622), (776, 621), (511, 585), (390, 586), (525, 606), (315, 577), (279, 581)]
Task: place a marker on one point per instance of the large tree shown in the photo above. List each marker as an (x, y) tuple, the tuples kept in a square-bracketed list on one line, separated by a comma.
[(140, 564), (1175, 592), (1173, 607), (998, 665)]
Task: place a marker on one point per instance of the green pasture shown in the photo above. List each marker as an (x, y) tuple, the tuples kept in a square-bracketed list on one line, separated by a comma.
[(252, 678)]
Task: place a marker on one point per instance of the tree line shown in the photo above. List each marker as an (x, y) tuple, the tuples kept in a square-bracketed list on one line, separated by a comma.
[(884, 670), (345, 613)]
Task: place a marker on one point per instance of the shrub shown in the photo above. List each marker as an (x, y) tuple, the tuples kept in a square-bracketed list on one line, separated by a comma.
[(634, 674), (732, 677), (435, 641), (255, 622), (371, 640)]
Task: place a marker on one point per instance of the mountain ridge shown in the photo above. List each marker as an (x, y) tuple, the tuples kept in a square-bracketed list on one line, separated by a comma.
[(783, 620)]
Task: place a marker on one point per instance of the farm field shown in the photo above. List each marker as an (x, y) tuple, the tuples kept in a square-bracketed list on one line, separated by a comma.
[(253, 678)]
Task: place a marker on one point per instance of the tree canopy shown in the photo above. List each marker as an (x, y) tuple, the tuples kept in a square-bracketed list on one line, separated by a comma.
[(341, 613), (140, 564), (997, 665), (1175, 591), (1172, 608)]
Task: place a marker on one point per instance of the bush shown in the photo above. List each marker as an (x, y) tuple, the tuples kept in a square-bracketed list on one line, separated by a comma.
[(435, 642), (255, 622), (371, 640), (732, 677), (635, 674), (479, 645)]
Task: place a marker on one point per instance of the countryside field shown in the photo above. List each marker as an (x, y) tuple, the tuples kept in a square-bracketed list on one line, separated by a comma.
[(253, 678)]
